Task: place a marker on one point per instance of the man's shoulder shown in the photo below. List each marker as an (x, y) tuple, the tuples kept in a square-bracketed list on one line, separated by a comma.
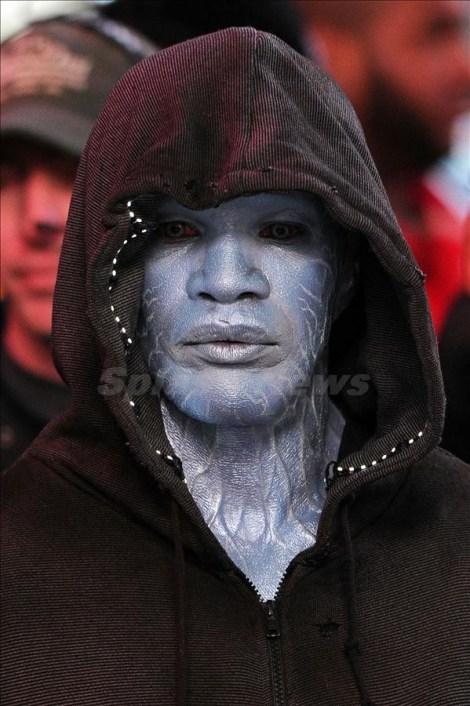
[(39, 497), (441, 482), (27, 471), (442, 463), (29, 485)]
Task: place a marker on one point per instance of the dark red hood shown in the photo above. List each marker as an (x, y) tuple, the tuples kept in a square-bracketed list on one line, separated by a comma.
[(231, 113)]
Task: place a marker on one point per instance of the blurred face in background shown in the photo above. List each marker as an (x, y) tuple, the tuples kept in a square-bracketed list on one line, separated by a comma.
[(36, 187), (405, 65), (420, 72)]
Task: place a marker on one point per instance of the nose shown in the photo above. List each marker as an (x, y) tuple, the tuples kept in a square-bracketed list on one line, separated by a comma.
[(45, 211), (228, 273)]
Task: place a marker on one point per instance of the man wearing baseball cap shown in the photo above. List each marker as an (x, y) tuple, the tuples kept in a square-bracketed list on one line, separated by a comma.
[(55, 77)]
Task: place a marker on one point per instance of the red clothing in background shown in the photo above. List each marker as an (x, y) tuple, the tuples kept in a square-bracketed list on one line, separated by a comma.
[(436, 239)]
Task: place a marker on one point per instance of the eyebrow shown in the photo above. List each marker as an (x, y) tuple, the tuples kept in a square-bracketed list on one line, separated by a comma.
[(290, 212)]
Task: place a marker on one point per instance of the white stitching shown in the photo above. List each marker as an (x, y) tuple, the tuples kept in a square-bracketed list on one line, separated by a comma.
[(363, 467)]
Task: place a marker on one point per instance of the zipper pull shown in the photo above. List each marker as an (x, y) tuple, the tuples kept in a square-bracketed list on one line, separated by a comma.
[(273, 629)]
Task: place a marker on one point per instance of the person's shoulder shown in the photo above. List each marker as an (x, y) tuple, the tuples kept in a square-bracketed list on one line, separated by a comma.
[(26, 470), (442, 480), (26, 485), (440, 461), (38, 495)]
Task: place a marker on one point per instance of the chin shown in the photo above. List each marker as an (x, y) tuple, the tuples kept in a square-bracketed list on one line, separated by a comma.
[(227, 412), (37, 315), (243, 400)]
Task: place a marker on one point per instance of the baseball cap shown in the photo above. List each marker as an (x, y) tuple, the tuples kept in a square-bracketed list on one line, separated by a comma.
[(56, 75)]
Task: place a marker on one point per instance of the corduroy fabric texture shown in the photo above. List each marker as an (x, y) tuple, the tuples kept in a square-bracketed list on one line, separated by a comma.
[(115, 591)]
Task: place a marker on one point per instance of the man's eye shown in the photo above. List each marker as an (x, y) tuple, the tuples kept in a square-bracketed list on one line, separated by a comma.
[(281, 231), (177, 230)]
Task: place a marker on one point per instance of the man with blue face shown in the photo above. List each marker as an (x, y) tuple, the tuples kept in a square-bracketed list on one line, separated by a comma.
[(231, 250), (237, 306)]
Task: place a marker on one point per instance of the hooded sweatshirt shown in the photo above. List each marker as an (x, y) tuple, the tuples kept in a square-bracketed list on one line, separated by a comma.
[(115, 590)]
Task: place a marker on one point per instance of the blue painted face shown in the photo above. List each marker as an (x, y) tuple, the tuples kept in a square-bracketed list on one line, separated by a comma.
[(237, 304)]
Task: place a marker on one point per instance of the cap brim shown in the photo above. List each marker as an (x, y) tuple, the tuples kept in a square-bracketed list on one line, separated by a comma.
[(52, 125)]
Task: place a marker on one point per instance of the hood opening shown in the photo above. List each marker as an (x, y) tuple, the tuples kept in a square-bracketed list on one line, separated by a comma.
[(385, 402), (263, 118)]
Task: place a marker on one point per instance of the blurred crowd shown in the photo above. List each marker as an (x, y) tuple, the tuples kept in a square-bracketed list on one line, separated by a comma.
[(405, 66)]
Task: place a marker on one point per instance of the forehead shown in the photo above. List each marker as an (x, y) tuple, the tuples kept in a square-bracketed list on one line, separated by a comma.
[(294, 204), (413, 20)]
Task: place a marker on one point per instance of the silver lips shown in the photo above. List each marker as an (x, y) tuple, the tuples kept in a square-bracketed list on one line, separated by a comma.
[(228, 345), (237, 333)]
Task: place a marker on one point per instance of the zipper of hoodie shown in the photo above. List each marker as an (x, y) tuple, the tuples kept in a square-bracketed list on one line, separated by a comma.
[(273, 635), (273, 630)]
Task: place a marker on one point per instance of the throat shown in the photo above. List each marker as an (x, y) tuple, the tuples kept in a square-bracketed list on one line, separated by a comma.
[(260, 488)]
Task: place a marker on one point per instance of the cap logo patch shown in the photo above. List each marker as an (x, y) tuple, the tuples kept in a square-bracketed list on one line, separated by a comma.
[(35, 65)]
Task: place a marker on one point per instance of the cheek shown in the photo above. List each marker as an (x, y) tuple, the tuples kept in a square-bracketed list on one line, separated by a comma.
[(163, 295), (9, 227), (306, 297)]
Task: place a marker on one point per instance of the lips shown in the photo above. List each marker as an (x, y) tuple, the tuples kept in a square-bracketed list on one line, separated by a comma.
[(236, 333), (229, 345)]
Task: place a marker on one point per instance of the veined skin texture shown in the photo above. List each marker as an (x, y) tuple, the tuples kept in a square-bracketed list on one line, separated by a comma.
[(237, 306)]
